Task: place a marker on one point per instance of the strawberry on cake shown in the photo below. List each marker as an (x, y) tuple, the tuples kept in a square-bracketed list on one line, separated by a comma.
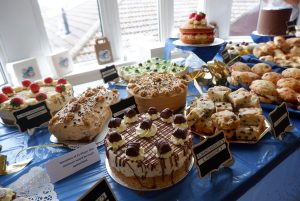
[(196, 30), (56, 93)]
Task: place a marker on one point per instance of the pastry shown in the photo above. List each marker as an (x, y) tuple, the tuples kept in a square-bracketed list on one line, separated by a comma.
[(288, 95), (248, 133), (150, 66), (225, 120), (158, 90), (196, 30), (84, 117), (261, 68), (151, 162), (240, 98), (239, 66), (272, 77), (268, 58), (250, 116), (204, 126), (218, 93), (221, 106), (55, 93), (244, 77), (289, 83), (291, 72), (266, 90)]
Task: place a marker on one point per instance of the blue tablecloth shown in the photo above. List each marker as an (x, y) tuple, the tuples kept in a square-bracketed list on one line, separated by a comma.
[(252, 163)]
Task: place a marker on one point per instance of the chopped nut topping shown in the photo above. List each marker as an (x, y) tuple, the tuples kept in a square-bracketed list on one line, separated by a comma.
[(69, 117), (89, 93), (100, 99), (75, 107), (143, 93)]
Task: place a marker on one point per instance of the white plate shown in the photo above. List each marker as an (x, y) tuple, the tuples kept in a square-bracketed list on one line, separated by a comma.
[(99, 140), (112, 175), (217, 41)]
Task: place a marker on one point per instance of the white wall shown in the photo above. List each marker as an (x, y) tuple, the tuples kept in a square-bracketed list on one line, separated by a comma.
[(21, 33)]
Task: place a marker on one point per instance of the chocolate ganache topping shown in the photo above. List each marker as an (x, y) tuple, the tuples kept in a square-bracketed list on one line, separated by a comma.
[(114, 123), (163, 147), (146, 124), (130, 113), (114, 137), (180, 133), (179, 119), (166, 113), (152, 110), (133, 149)]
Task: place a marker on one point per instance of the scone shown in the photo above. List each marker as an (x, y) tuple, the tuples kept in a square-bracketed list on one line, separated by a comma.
[(288, 95), (218, 93), (268, 58), (239, 66), (207, 105), (272, 77), (244, 77), (85, 116), (205, 126), (289, 83), (291, 72), (265, 90), (240, 98), (261, 68), (225, 120)]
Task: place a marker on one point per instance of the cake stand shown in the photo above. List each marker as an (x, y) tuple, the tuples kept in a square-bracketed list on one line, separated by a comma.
[(205, 52)]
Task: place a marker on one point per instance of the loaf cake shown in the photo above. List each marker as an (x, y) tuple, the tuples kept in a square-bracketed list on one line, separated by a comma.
[(55, 93), (150, 154), (159, 90), (84, 117), (238, 114)]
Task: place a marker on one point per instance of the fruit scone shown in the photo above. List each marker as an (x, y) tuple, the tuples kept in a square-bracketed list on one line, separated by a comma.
[(237, 114), (84, 117), (55, 93)]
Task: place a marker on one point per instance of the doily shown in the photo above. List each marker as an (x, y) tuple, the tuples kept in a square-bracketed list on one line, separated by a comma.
[(35, 185)]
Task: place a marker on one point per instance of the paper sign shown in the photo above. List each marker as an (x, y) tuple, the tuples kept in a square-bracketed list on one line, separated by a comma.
[(225, 56), (119, 108), (32, 116), (291, 29), (68, 164), (109, 73), (280, 120), (211, 154), (101, 191)]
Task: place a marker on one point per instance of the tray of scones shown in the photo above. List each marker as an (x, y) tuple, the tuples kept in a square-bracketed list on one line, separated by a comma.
[(237, 113), (281, 51)]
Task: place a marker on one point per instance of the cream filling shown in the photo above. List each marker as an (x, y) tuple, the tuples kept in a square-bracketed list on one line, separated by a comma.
[(152, 116), (165, 155), (146, 133), (168, 120), (128, 120), (121, 128), (178, 141), (9, 194), (140, 157), (183, 125), (116, 145)]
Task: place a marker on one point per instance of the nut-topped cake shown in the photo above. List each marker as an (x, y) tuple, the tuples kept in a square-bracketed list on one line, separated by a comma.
[(84, 117), (55, 93), (149, 154), (159, 90)]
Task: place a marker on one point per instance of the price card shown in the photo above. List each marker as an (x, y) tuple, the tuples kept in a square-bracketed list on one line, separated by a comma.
[(101, 191), (225, 56), (109, 73), (280, 121), (291, 27), (211, 153), (119, 108), (32, 116)]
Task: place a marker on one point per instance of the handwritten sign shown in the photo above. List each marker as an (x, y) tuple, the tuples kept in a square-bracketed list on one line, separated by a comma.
[(211, 154), (101, 191), (32, 116), (68, 164), (109, 73), (280, 120), (119, 108)]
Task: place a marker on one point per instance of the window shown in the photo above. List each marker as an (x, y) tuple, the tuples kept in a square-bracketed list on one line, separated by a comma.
[(72, 25), (182, 9), (139, 22), (244, 16), (3, 80)]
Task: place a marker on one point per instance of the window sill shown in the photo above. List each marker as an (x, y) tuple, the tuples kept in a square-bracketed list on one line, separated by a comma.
[(89, 71)]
